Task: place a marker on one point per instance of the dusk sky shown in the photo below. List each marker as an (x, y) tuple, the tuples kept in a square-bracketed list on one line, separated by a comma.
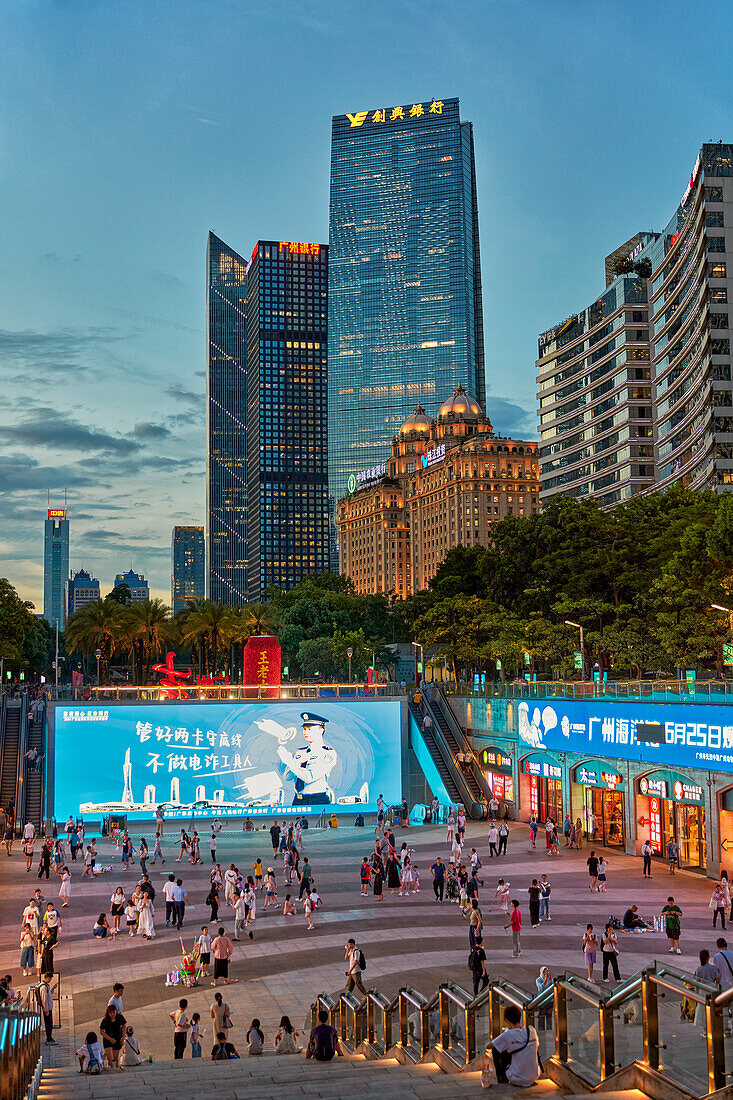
[(129, 129)]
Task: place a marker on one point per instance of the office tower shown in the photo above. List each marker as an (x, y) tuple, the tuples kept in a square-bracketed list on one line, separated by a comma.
[(287, 457), (611, 426), (226, 406), (55, 566), (405, 314), (137, 584), (81, 588), (187, 566)]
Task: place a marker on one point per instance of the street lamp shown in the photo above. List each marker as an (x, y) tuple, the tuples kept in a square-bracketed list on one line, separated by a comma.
[(569, 622), (416, 646), (350, 654), (98, 654)]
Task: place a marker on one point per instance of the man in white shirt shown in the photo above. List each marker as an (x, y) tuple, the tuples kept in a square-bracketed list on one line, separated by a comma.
[(353, 973), (723, 960), (240, 914), (515, 1052), (170, 906), (230, 878), (179, 899), (116, 999), (45, 1001), (216, 826), (29, 831)]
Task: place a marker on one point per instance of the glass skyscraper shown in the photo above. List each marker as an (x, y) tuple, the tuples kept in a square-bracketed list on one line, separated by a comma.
[(187, 566), (226, 405), (287, 467), (405, 312), (55, 566)]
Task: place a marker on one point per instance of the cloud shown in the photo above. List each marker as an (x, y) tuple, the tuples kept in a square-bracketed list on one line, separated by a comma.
[(48, 428), (510, 419), (179, 394), (146, 430), (51, 352), (21, 473)]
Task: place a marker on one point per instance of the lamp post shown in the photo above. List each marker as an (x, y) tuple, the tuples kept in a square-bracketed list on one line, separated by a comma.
[(568, 622), (417, 645), (98, 654), (350, 654)]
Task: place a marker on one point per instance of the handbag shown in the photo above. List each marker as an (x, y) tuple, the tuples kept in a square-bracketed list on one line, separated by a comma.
[(227, 1021)]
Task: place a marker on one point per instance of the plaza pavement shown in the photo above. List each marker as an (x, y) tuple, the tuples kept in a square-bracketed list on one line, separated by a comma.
[(407, 941)]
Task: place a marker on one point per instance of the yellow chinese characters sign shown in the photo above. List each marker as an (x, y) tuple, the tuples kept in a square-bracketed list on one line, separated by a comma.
[(299, 248), (395, 114)]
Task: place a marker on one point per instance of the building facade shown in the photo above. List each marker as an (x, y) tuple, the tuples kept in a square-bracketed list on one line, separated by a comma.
[(55, 566), (287, 455), (137, 584), (226, 412), (446, 483), (81, 588), (405, 312), (635, 392), (188, 558)]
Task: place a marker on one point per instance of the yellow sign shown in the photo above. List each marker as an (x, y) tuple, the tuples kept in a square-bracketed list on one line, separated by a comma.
[(299, 248), (384, 114), (57, 513)]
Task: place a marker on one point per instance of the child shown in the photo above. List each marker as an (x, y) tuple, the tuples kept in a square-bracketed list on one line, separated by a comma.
[(258, 873), (502, 895), (289, 909), (131, 917), (91, 1055), (415, 879), (315, 899), (364, 873), (255, 1038), (130, 1053), (307, 909), (463, 898), (65, 889), (451, 886), (195, 1035), (271, 889), (602, 865), (204, 942), (27, 950)]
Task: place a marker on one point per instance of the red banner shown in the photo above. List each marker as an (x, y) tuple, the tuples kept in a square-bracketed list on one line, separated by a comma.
[(262, 666)]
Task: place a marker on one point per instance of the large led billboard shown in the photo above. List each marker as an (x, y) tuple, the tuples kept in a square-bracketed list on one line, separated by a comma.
[(196, 759)]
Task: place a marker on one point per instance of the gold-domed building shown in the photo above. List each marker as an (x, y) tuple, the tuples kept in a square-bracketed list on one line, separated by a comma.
[(446, 483)]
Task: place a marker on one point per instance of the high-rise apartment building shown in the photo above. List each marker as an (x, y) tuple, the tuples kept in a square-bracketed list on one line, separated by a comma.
[(188, 557), (226, 408), (137, 584), (635, 391), (287, 457), (81, 588), (405, 313), (55, 566)]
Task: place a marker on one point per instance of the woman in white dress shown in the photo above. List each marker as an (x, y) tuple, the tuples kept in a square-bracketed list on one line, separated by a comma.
[(65, 888), (146, 923)]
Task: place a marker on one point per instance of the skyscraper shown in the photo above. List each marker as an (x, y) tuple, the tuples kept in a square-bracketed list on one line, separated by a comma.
[(137, 584), (81, 589), (287, 467), (405, 313), (226, 406), (55, 566), (187, 566)]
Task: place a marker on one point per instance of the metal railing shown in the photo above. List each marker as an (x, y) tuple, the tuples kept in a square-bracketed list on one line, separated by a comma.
[(20, 1052), (714, 691), (650, 1024), (225, 692)]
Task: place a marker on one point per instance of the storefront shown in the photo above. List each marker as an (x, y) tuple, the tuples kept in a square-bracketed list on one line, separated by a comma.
[(670, 807), (497, 768), (599, 799), (540, 782)]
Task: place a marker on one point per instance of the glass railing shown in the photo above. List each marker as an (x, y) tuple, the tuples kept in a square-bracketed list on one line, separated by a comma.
[(20, 1053), (717, 691), (660, 1019)]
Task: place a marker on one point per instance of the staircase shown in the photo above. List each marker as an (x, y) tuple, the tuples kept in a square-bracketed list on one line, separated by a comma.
[(10, 755)]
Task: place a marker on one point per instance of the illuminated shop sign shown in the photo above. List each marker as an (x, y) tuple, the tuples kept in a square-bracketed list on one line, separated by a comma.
[(648, 785), (57, 513), (598, 776), (494, 758), (436, 455), (366, 477), (543, 768), (299, 248), (395, 114)]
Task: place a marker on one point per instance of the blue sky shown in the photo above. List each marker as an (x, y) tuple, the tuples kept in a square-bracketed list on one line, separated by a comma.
[(128, 130)]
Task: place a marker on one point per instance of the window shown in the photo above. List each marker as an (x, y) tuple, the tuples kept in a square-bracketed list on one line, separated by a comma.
[(719, 294), (716, 244), (717, 271), (721, 347), (714, 194), (714, 218), (718, 320)]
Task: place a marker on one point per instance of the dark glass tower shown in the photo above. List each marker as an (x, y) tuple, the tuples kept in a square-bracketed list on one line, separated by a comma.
[(405, 321), (55, 566), (187, 566), (226, 405), (287, 468)]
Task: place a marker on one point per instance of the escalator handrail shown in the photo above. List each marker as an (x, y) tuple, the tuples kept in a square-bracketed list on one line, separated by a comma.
[(459, 781), (20, 783), (418, 715), (3, 717), (457, 732)]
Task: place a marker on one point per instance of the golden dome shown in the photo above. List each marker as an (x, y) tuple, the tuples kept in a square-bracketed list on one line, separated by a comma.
[(418, 422), (460, 405)]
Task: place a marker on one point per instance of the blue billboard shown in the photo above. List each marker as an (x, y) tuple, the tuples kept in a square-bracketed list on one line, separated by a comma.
[(201, 759), (684, 734)]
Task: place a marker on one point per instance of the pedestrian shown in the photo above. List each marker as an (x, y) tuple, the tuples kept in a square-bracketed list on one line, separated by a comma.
[(646, 851), (271, 889), (146, 919), (592, 864), (28, 845), (602, 865), (549, 826), (590, 947), (354, 958), (222, 949), (144, 855), (567, 826), (501, 894), (534, 903), (673, 855), (240, 915), (364, 875), (275, 838), (477, 966), (609, 948), (9, 835), (195, 1035), (181, 1025), (450, 833), (305, 877), (65, 887), (503, 838), (44, 996), (515, 922), (717, 904), (112, 1029), (378, 876), (180, 896), (533, 834), (437, 870), (461, 825), (493, 840), (212, 847), (578, 834), (212, 900), (157, 850), (545, 891), (723, 962), (475, 922), (44, 863), (255, 1038), (393, 873), (183, 846), (307, 910), (117, 905), (672, 916), (131, 915), (27, 950), (204, 946)]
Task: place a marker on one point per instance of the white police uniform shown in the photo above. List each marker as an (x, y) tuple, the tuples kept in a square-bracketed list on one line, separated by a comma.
[(311, 767)]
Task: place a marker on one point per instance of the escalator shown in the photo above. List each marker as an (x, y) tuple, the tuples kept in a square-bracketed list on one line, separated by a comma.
[(10, 759), (435, 755), (32, 797), (456, 741)]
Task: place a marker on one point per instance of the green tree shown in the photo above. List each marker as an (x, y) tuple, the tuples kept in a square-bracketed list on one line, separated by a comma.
[(98, 625), (147, 624)]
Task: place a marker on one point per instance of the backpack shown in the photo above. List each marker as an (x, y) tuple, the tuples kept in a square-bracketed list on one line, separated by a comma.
[(94, 1066), (474, 963), (221, 1053), (362, 960)]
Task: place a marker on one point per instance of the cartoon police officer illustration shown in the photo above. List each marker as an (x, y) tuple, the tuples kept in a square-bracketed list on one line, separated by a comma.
[(311, 767)]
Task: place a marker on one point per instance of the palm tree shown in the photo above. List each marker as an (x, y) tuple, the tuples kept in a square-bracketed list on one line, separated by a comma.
[(96, 626), (148, 627), (251, 620), (206, 625)]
